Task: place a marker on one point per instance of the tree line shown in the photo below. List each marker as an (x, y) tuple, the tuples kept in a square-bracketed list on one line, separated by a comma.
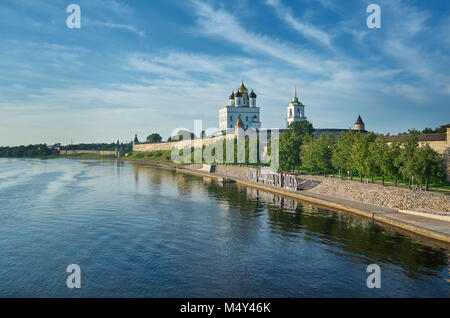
[(30, 151), (367, 155), (43, 151)]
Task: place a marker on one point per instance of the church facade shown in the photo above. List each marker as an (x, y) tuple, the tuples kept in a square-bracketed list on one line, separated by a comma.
[(241, 105)]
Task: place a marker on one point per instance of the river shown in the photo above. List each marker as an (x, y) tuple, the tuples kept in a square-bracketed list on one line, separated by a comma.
[(140, 231)]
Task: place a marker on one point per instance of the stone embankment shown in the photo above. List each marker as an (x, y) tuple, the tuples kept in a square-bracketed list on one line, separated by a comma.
[(387, 196), (391, 197)]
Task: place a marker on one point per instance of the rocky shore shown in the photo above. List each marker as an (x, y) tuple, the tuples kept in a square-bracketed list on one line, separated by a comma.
[(391, 197)]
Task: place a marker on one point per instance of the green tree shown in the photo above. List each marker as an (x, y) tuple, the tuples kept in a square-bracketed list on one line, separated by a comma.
[(428, 165), (341, 154), (316, 153), (385, 156), (405, 161), (154, 138), (359, 155), (301, 128)]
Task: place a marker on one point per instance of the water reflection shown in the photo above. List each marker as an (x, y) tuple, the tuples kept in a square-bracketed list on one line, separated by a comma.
[(341, 234)]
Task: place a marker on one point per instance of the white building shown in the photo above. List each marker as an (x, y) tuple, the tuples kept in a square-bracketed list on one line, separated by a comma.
[(243, 105), (295, 110)]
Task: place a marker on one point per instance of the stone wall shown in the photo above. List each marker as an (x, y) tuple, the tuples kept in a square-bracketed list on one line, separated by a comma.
[(179, 144), (439, 146), (232, 171), (96, 152)]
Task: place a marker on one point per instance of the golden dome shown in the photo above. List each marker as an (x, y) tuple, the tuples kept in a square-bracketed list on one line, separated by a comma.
[(243, 89)]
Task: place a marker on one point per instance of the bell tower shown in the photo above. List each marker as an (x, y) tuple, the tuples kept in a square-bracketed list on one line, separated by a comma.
[(295, 110)]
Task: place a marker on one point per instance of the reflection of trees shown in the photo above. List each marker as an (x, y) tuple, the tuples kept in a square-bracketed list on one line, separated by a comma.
[(351, 234), (153, 177), (340, 232)]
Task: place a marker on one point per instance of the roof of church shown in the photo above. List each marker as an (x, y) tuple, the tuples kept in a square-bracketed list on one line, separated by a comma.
[(295, 99), (232, 95), (359, 120), (238, 94), (243, 89), (252, 94)]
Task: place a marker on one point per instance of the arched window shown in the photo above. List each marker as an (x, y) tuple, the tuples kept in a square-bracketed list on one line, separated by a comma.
[(246, 118), (298, 111), (290, 112), (231, 117)]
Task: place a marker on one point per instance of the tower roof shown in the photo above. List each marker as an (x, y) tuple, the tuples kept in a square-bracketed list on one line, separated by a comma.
[(232, 95), (238, 94), (295, 99), (252, 94), (359, 120), (243, 89)]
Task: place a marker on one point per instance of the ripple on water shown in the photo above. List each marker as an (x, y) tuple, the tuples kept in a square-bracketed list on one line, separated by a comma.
[(140, 231)]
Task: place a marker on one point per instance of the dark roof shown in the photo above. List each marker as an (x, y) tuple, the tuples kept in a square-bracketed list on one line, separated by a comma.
[(232, 95), (252, 94), (421, 137), (446, 126), (359, 120), (238, 94)]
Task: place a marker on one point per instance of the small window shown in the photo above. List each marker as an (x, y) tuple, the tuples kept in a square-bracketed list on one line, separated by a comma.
[(246, 118), (231, 117), (290, 112)]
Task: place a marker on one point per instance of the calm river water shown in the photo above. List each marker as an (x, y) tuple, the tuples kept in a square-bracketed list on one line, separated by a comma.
[(138, 231)]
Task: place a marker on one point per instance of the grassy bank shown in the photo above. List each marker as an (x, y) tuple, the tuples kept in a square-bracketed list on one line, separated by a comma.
[(161, 156)]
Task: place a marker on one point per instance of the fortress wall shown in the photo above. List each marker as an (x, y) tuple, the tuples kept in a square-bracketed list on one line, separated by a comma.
[(174, 144), (97, 152), (160, 146), (439, 146)]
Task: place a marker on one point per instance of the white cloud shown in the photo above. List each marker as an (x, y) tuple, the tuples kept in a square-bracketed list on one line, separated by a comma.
[(306, 29), (117, 26)]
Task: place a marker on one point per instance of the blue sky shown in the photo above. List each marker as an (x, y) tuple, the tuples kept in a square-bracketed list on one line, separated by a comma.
[(152, 66)]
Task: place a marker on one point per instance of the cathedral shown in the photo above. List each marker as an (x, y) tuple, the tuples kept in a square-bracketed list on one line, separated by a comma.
[(243, 112), (242, 105)]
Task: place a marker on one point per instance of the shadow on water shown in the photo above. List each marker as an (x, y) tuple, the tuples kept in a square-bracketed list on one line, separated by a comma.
[(343, 234)]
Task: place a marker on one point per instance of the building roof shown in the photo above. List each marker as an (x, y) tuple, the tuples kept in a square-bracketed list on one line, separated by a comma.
[(238, 94), (359, 121), (243, 89), (295, 99), (252, 94), (232, 95), (421, 137)]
